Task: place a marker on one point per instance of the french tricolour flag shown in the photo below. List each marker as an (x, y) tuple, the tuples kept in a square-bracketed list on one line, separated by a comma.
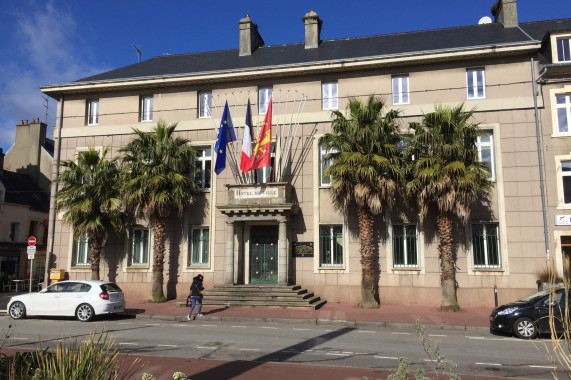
[(247, 142)]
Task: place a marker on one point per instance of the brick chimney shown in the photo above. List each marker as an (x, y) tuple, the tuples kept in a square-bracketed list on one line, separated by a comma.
[(506, 13), (250, 39), (313, 26)]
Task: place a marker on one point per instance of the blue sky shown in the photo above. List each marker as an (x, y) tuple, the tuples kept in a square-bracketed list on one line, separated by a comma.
[(58, 41)]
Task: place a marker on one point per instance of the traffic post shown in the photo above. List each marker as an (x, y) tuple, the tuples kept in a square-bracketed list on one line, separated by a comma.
[(31, 254)]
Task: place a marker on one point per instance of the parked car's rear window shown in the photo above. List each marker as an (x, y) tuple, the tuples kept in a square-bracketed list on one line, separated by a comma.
[(111, 288)]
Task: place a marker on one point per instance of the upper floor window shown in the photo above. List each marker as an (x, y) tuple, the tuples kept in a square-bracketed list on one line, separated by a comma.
[(566, 181), (139, 252), (475, 82), (404, 245), (563, 49), (563, 112), (264, 95), (14, 231), (485, 245), (204, 104), (329, 95), (80, 254), (485, 146), (92, 112), (400, 89), (331, 245), (199, 240), (203, 165), (146, 108), (324, 164)]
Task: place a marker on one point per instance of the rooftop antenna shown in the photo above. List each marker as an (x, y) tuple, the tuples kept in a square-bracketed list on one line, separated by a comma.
[(139, 52)]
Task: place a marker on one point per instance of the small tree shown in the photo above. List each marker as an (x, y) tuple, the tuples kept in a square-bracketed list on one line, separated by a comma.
[(365, 171), (447, 174), (158, 179), (89, 197)]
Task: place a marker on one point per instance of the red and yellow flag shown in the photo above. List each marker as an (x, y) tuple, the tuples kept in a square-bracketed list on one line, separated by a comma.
[(262, 151)]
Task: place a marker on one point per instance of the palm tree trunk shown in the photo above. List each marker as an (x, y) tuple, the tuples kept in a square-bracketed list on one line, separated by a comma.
[(447, 262), (366, 223), (159, 234), (95, 247)]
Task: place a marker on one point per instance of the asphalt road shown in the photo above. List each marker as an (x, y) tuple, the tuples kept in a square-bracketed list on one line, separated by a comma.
[(475, 353)]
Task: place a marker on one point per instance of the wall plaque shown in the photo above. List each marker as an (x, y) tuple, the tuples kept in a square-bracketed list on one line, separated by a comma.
[(256, 192), (303, 248)]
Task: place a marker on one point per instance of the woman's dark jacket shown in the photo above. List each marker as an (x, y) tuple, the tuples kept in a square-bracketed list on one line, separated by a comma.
[(196, 286)]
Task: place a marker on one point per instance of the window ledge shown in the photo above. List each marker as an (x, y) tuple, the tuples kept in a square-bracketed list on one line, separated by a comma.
[(81, 268), (137, 269), (196, 266), (488, 270), (404, 270), (331, 269)]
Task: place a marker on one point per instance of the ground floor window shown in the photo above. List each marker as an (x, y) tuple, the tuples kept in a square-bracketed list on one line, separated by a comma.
[(331, 245), (140, 241), (80, 256), (405, 253), (199, 242), (485, 245)]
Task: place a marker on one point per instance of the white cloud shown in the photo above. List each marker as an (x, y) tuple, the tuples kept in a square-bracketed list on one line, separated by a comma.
[(45, 48)]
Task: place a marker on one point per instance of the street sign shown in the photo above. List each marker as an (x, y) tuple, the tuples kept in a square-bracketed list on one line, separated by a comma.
[(31, 250), (31, 256), (32, 241)]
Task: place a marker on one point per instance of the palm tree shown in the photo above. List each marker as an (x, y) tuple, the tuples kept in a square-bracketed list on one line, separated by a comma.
[(365, 171), (157, 179), (447, 174), (89, 197)]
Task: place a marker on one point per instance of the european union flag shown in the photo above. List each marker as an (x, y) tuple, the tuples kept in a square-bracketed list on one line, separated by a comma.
[(225, 134)]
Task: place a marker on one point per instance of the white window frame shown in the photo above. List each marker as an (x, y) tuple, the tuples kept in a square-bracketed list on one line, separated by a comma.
[(200, 163), (486, 264), (566, 107), (332, 265), (400, 89), (490, 146), (323, 165), (81, 254), (205, 104), (141, 263), (565, 43), (147, 108), (93, 112), (565, 174), (204, 257), (406, 227), (329, 95), (472, 92), (264, 95)]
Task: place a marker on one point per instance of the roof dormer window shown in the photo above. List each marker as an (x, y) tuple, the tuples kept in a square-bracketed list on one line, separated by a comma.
[(563, 49)]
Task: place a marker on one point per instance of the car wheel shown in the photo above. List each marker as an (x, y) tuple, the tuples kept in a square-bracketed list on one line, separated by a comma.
[(525, 328), (84, 312), (17, 310)]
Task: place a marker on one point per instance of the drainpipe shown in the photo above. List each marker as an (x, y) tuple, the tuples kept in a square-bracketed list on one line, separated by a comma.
[(540, 160), (56, 188)]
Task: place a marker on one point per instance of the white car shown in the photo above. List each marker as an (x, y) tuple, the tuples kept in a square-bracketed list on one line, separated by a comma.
[(82, 299)]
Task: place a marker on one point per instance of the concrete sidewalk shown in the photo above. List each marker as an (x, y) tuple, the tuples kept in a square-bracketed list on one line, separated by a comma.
[(330, 313)]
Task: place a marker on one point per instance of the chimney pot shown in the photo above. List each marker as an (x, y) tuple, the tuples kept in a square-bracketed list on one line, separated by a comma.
[(313, 26), (21, 122), (27, 122), (507, 13)]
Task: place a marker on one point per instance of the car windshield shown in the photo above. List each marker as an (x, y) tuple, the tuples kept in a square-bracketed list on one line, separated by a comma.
[(534, 296)]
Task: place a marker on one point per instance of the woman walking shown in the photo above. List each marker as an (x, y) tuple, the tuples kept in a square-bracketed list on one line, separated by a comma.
[(196, 295)]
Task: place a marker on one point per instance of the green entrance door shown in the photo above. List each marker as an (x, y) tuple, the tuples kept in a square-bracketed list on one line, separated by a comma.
[(264, 255)]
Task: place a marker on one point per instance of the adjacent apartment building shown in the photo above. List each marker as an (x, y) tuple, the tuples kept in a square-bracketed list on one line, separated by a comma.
[(278, 225)]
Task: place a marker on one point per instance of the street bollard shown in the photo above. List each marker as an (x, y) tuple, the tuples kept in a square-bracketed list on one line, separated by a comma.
[(496, 295)]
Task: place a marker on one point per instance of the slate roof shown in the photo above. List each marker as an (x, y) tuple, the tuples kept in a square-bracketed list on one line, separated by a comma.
[(21, 190), (448, 39)]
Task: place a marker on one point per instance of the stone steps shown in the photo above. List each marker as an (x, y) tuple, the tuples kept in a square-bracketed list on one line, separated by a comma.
[(253, 295)]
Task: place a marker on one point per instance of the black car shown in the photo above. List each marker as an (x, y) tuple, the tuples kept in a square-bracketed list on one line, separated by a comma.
[(529, 317)]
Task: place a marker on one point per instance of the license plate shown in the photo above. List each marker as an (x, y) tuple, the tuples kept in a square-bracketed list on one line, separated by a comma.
[(117, 307)]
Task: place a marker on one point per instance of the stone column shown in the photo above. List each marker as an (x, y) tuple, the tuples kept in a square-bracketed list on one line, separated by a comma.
[(282, 254), (229, 267)]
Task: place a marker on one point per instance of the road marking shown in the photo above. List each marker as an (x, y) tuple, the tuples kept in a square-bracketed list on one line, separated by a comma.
[(337, 354), (366, 331), (386, 357), (20, 338), (429, 360), (435, 335), (302, 329), (542, 366), (249, 349), (396, 333), (496, 364), (128, 344), (166, 345), (125, 323), (270, 328), (476, 337), (208, 348)]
